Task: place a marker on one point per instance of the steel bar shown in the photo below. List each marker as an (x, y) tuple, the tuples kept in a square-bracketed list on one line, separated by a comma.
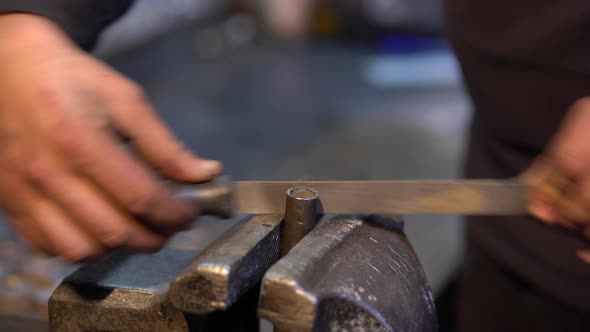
[(221, 197), (301, 215), (469, 197)]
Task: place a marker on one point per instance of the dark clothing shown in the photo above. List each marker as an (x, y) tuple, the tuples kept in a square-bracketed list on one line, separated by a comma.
[(542, 254), (494, 298), (524, 62), (82, 20)]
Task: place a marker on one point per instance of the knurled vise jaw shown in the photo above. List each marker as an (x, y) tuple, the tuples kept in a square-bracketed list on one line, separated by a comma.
[(302, 271)]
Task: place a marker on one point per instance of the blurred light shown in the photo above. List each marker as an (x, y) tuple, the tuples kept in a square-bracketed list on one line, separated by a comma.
[(386, 11), (240, 29), (414, 70), (150, 18), (27, 280), (410, 13), (210, 43)]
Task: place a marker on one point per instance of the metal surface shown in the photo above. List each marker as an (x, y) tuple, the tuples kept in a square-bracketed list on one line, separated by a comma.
[(229, 268), (125, 292), (301, 215), (121, 292), (73, 308), (213, 197), (349, 274), (145, 272), (468, 197), (23, 324)]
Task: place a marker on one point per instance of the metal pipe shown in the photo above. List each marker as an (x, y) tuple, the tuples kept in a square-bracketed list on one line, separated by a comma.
[(301, 215)]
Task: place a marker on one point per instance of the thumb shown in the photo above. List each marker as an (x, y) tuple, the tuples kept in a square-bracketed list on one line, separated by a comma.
[(540, 196), (133, 115), (584, 255)]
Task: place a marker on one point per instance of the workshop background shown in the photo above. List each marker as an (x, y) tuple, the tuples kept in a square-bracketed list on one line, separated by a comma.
[(282, 89)]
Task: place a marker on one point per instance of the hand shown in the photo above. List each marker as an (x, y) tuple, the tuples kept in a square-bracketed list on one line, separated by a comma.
[(561, 177), (66, 182)]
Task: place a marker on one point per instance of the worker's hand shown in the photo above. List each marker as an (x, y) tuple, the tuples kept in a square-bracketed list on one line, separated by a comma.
[(561, 177), (66, 182)]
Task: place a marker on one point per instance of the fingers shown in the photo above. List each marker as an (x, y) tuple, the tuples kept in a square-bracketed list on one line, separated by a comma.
[(46, 227), (561, 178), (15, 197), (558, 199), (98, 156), (133, 115), (569, 149), (552, 198), (544, 211), (538, 197), (584, 255), (29, 231), (64, 236), (77, 223), (95, 213)]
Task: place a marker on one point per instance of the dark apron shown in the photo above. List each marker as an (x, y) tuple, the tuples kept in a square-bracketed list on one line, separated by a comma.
[(524, 62)]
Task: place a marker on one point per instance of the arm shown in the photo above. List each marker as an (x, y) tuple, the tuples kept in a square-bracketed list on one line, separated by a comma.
[(66, 183)]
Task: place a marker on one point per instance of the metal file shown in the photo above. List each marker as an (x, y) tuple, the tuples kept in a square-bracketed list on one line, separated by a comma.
[(467, 197)]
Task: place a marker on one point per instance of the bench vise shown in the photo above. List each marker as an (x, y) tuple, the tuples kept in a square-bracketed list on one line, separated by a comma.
[(301, 271)]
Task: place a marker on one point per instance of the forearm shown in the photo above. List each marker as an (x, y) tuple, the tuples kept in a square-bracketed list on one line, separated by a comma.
[(81, 20)]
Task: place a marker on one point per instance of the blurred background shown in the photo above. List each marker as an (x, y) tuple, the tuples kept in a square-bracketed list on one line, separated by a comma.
[(284, 89)]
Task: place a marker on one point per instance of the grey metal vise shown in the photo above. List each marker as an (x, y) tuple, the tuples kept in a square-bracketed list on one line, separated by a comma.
[(348, 273)]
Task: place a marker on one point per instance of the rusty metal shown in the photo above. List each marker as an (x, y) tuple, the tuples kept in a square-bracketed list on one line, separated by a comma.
[(124, 292), (77, 309), (349, 273), (74, 308), (23, 324), (301, 215), (120, 293), (229, 268)]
